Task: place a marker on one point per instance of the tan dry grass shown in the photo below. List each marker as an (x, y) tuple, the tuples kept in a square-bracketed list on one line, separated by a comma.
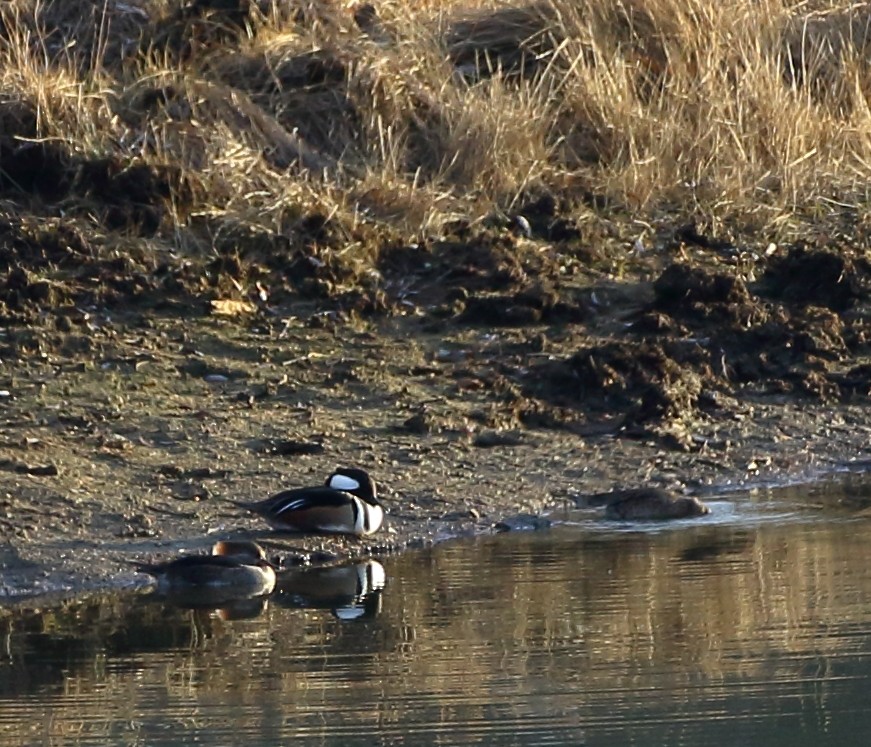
[(754, 110)]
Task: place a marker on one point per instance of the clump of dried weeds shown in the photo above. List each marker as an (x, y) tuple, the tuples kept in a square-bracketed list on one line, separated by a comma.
[(183, 122)]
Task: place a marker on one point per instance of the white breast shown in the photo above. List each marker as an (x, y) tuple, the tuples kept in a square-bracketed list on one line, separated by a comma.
[(369, 518)]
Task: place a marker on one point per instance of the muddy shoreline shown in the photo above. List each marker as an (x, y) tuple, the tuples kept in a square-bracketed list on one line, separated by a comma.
[(244, 243), (125, 429)]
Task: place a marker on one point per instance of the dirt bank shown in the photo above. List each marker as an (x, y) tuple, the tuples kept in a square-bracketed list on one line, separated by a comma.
[(497, 257), (478, 376)]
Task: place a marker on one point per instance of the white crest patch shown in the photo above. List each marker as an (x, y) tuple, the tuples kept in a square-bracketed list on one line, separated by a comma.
[(343, 482)]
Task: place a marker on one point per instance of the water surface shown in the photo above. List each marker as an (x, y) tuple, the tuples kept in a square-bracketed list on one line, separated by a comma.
[(753, 627)]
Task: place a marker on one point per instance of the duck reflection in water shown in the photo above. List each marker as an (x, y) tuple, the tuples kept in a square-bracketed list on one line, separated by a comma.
[(351, 591), (236, 577)]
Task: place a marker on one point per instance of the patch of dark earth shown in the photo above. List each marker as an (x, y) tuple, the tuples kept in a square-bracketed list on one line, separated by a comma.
[(484, 376)]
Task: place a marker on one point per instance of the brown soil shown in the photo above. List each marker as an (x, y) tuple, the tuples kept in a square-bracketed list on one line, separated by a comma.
[(487, 373), (165, 346)]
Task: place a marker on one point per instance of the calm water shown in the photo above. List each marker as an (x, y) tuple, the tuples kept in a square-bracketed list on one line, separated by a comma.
[(751, 628)]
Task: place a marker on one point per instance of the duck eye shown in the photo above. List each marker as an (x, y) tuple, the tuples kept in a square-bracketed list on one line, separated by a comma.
[(343, 482)]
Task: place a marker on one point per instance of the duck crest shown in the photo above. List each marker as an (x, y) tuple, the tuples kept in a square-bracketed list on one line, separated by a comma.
[(355, 481)]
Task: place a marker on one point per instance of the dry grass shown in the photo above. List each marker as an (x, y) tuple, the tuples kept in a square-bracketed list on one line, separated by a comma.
[(749, 111)]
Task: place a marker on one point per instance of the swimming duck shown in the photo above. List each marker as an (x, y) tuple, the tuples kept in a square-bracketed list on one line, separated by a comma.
[(652, 503), (346, 504), (235, 568)]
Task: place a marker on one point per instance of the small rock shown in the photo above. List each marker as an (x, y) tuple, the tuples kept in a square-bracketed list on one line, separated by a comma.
[(203, 473), (522, 523), (520, 226), (37, 470), (446, 355), (489, 439), (420, 423), (115, 441), (232, 307), (288, 447), (138, 525), (464, 515), (190, 491)]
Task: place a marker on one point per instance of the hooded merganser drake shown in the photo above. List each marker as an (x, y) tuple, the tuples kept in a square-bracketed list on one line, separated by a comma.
[(235, 568), (346, 504), (652, 503)]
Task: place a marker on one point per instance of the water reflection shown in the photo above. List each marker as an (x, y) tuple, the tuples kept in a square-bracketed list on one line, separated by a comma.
[(724, 632), (351, 591), (227, 607)]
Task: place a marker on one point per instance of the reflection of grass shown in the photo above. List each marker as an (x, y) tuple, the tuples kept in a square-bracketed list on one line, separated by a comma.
[(699, 601), (423, 111)]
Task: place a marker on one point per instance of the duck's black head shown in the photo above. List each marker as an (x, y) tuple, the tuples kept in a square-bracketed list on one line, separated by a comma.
[(356, 482)]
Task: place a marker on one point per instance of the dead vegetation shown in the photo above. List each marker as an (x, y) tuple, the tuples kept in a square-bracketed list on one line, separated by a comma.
[(412, 113)]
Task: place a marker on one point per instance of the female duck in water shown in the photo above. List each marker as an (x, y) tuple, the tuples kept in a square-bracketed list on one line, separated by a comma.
[(235, 567), (652, 503)]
